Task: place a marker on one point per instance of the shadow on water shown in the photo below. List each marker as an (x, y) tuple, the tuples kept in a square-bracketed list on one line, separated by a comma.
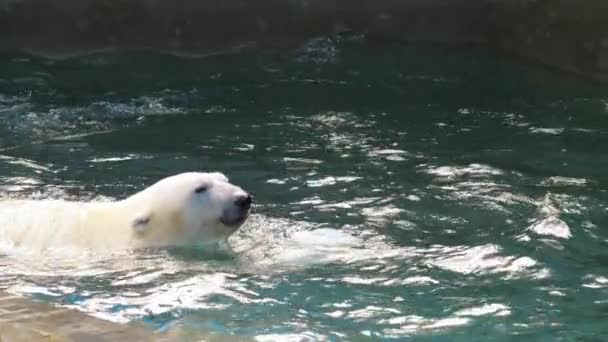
[(207, 253)]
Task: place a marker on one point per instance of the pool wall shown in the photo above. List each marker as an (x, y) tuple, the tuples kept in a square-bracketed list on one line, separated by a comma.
[(571, 35)]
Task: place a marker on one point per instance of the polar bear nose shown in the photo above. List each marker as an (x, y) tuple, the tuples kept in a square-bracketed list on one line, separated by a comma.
[(244, 201)]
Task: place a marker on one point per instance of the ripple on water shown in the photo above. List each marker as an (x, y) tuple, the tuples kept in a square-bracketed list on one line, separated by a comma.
[(264, 245), (330, 180), (595, 281), (414, 324), (548, 131), (564, 181), (43, 122), (131, 156), (439, 217), (472, 170), (552, 226)]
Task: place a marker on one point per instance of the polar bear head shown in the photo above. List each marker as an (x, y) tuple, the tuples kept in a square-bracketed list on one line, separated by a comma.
[(188, 208)]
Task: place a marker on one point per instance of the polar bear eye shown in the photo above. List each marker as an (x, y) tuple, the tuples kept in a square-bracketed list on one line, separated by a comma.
[(201, 189)]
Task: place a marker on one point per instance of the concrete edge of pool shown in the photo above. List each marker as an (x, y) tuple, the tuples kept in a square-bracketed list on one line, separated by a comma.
[(24, 319)]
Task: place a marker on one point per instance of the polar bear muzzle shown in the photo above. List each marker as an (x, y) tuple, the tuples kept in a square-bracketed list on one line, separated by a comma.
[(235, 215)]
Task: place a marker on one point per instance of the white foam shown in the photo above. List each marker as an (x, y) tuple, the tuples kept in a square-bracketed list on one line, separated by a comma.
[(550, 131), (495, 309), (474, 170), (330, 181), (565, 181), (112, 159), (548, 222), (273, 244), (552, 226), (25, 162)]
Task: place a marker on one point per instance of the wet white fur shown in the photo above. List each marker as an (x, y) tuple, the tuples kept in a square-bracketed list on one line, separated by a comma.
[(167, 213)]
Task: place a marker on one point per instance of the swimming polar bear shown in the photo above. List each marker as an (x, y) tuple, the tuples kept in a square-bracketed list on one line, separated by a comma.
[(186, 208)]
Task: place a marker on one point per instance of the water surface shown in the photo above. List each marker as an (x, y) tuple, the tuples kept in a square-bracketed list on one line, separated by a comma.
[(401, 192)]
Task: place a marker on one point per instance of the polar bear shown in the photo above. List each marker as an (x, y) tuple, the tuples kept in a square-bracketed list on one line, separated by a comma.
[(187, 208)]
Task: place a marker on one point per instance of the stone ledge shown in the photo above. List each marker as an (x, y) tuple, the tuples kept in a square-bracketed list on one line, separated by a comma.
[(24, 320)]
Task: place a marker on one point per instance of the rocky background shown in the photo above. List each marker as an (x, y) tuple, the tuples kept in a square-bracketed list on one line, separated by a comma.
[(571, 35)]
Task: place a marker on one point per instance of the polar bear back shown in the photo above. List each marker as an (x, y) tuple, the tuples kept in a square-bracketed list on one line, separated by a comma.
[(41, 224)]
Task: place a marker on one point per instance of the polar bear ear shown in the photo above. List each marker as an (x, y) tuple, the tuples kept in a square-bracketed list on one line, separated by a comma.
[(140, 223)]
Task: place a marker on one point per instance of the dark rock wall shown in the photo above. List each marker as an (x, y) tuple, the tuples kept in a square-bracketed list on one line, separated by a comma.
[(568, 34)]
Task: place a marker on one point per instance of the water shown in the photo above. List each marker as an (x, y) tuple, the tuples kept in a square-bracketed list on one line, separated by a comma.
[(401, 192)]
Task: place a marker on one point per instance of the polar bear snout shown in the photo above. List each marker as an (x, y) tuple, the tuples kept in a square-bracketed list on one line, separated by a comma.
[(236, 215), (244, 201)]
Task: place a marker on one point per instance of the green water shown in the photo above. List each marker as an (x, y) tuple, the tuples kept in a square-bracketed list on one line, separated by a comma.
[(401, 192)]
